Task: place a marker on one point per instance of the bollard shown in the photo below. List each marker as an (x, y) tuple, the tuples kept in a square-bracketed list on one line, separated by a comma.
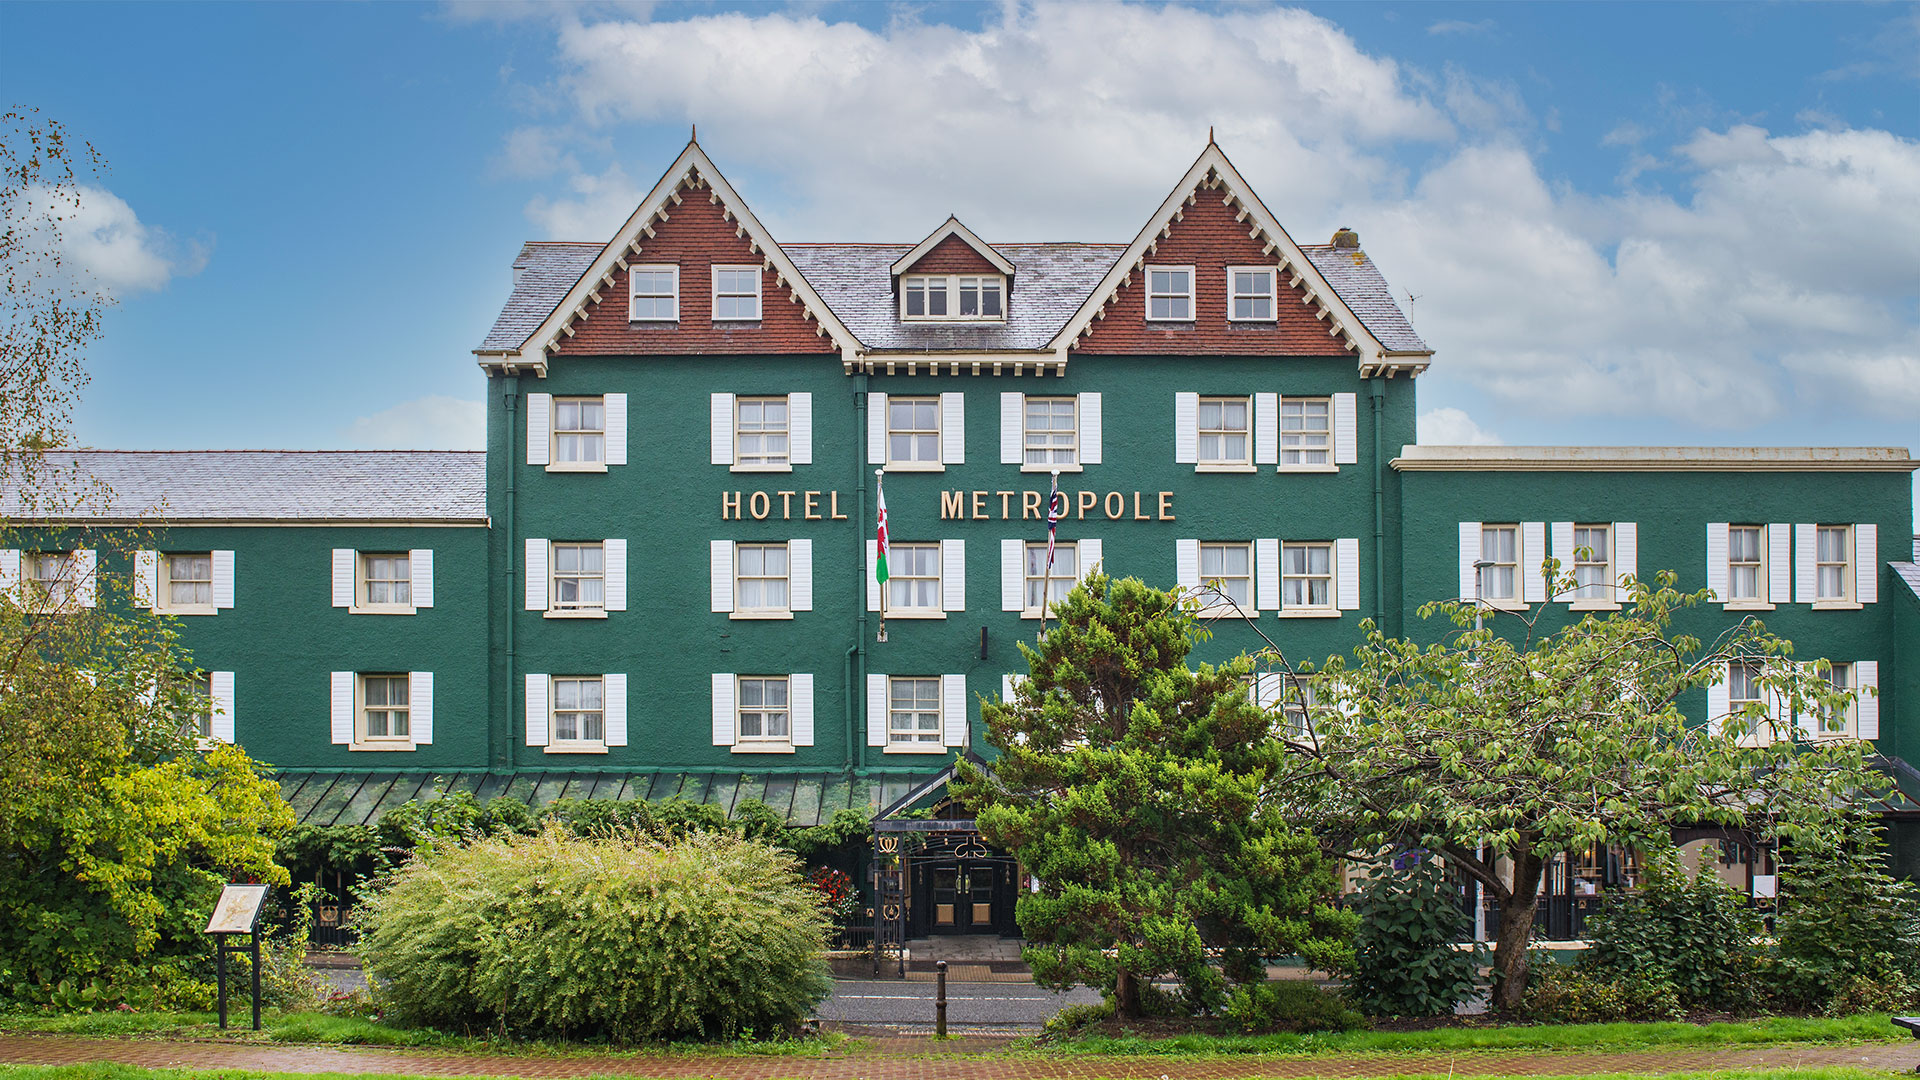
[(940, 1000)]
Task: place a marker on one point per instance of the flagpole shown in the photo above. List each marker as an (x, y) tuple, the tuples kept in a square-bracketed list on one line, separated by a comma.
[(881, 542), (1046, 578)]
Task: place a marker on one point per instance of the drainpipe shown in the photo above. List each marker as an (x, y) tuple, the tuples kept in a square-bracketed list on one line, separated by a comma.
[(856, 690), (503, 737), (1377, 393)]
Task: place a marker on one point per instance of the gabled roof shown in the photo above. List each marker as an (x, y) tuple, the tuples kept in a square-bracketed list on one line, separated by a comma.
[(951, 227), (692, 171), (185, 486), (542, 273), (1211, 172), (1357, 280)]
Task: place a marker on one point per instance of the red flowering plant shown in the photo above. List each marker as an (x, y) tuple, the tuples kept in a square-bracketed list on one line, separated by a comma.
[(837, 894)]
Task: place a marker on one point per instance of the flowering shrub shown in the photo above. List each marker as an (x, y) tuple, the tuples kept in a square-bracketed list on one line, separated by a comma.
[(837, 894)]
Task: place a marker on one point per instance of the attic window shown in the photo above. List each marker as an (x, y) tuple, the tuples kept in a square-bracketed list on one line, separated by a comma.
[(655, 293), (953, 297)]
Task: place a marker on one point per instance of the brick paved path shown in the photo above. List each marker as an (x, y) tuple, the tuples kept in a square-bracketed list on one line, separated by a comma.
[(919, 1059)]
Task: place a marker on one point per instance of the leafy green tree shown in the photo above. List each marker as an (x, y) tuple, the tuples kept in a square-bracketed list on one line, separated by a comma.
[(1140, 791), (1505, 745), (1843, 919)]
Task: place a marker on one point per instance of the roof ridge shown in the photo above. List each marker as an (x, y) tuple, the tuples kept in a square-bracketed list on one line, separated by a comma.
[(244, 450)]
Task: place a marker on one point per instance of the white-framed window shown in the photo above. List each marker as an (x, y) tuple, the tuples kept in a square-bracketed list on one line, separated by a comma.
[(913, 711), (1306, 577), (187, 580), (1833, 564), (1169, 294), (1054, 585), (1743, 687), (760, 432), (578, 577), (913, 430), (1747, 564), (1250, 293), (1306, 432), (736, 293), (913, 579), (1500, 545), (1222, 432), (654, 293), (385, 711), (386, 580), (967, 297), (760, 579), (764, 710), (1297, 702), (1839, 677), (1230, 568), (579, 431), (579, 713), (199, 722), (1051, 431), (1593, 562), (51, 580)]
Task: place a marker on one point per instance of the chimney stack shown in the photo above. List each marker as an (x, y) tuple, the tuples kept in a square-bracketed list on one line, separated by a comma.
[(1344, 237)]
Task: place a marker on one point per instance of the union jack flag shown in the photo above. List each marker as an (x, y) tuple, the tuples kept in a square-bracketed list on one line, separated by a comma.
[(1056, 509)]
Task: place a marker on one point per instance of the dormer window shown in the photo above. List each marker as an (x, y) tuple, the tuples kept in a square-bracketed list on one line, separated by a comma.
[(969, 297)]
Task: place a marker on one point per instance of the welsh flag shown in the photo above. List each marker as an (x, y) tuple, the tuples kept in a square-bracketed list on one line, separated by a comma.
[(880, 539)]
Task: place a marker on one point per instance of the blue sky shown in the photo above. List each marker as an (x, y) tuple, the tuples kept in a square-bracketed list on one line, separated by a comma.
[(1688, 223)]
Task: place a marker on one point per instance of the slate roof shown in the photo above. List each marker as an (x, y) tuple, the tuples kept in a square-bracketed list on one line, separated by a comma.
[(269, 485), (1050, 283)]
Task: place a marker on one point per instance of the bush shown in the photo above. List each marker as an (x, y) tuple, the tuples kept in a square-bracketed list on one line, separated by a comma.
[(626, 939), (1567, 994), (1696, 936), (1405, 960), (1258, 1008), (1893, 994), (1075, 1017), (1844, 920)]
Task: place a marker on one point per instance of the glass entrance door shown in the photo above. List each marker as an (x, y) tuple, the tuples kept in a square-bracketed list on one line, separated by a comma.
[(961, 897)]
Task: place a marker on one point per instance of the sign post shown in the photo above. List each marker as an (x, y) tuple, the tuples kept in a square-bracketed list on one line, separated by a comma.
[(237, 912)]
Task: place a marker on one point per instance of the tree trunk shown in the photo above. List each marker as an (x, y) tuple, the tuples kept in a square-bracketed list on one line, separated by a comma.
[(1516, 929), (1126, 994)]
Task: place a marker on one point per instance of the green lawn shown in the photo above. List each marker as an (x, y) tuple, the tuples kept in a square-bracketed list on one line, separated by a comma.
[(129, 1072), (1589, 1037)]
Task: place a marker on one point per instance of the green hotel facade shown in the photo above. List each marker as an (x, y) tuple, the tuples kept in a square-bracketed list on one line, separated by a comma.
[(657, 579)]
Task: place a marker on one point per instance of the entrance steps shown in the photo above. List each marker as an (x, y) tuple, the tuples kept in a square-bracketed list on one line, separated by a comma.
[(970, 958)]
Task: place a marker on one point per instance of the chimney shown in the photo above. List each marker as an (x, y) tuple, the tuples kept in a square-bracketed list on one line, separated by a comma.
[(1344, 237)]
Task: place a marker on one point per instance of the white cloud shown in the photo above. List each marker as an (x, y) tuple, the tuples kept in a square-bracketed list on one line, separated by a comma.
[(102, 243), (434, 422), (1453, 427)]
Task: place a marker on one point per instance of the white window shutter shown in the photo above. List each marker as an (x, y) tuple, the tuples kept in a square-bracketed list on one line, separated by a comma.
[(876, 429), (1626, 553), (873, 583), (340, 711), (1090, 558), (1266, 574), (420, 707), (146, 578), (536, 573), (539, 428), (1346, 558), (1810, 722), (1266, 429), (1469, 554), (1012, 428), (1186, 428), (800, 701), (1008, 688), (1346, 441), (876, 709), (1186, 564), (1866, 705), (1563, 545), (614, 703), (1718, 703), (720, 573), (1090, 428), (800, 428), (1013, 580), (1779, 563), (9, 568), (616, 420), (614, 566), (420, 565), (953, 428), (1866, 563), (800, 575), (222, 579), (720, 434), (1806, 566), (85, 562), (1533, 551), (343, 577), (723, 710), (536, 709), (1266, 689), (953, 708), (1717, 560), (953, 575), (220, 697), (1779, 710)]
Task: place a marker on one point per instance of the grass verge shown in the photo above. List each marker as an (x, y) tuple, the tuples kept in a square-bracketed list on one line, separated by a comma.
[(1597, 1038), (132, 1072)]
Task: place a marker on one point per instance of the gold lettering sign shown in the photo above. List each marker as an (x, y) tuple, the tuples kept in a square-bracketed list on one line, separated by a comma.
[(954, 505)]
